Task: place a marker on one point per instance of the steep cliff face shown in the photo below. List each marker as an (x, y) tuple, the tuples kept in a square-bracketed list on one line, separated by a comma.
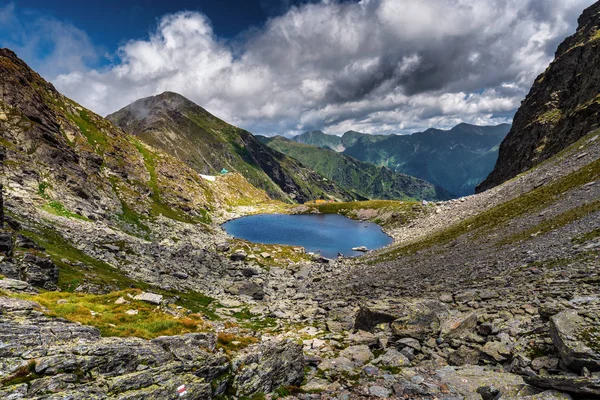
[(188, 132), (562, 106)]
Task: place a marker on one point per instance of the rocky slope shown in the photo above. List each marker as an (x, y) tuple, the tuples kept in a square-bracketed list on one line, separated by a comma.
[(562, 106), (368, 180), (186, 131), (490, 296), (70, 161), (456, 160)]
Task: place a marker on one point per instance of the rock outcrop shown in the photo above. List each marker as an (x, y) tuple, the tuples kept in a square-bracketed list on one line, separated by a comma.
[(577, 338), (562, 106), (42, 355)]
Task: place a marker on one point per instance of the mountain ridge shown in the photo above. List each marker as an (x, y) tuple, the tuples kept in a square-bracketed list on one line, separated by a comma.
[(456, 159), (562, 106), (368, 180), (178, 126)]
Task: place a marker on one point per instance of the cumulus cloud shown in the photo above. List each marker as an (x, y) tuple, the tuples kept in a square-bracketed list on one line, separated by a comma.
[(377, 66)]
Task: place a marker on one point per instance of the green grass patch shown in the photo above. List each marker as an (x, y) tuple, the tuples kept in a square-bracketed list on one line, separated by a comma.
[(550, 117), (56, 208), (554, 223), (95, 138), (587, 237), (42, 186), (112, 319), (251, 321)]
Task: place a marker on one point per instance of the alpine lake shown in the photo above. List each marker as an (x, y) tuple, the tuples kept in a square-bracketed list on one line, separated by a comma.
[(325, 234)]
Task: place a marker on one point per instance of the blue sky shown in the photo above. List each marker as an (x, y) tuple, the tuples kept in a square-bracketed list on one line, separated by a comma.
[(111, 23), (286, 66)]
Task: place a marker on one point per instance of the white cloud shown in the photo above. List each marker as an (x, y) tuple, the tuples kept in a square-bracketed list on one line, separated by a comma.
[(373, 65)]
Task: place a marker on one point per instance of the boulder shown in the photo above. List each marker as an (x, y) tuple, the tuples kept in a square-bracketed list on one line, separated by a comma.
[(497, 351), (26, 243), (39, 271), (368, 317), (458, 325), (585, 386), (392, 358), (267, 366), (238, 255), (544, 362), (363, 249), (6, 243), (409, 342), (464, 355), (360, 354), (149, 297), (320, 259), (419, 319), (577, 340), (14, 285), (253, 290), (465, 381), (223, 247)]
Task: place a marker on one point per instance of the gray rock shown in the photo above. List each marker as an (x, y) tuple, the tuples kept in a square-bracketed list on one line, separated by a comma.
[(238, 255), (464, 355), (544, 362), (456, 326), (267, 366), (39, 271), (149, 297), (253, 290), (392, 358), (379, 391), (589, 386), (13, 285), (360, 354), (368, 317), (223, 247), (419, 319), (410, 342), (6, 243), (576, 340)]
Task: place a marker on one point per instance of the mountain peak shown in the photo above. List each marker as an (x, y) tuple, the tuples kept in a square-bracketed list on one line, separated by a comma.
[(166, 101)]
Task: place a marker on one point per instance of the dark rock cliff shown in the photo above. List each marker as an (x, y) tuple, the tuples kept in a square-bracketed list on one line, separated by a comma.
[(562, 106)]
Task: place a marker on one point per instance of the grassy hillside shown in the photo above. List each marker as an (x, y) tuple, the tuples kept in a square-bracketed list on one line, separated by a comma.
[(208, 144), (368, 180), (456, 160)]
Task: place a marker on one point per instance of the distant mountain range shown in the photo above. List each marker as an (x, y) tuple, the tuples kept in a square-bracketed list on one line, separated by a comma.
[(368, 180), (456, 160)]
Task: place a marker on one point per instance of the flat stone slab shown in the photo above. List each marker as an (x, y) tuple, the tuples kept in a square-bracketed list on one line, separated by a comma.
[(149, 297), (577, 339)]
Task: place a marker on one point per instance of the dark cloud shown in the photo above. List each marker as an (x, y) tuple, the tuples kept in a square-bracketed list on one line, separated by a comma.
[(373, 66)]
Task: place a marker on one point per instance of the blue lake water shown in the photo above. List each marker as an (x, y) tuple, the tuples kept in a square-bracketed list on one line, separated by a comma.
[(326, 234)]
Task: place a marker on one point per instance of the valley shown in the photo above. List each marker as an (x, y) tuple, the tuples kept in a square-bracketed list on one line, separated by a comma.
[(456, 160), (118, 279)]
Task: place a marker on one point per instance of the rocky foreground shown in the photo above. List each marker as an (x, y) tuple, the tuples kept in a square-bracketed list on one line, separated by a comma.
[(484, 314)]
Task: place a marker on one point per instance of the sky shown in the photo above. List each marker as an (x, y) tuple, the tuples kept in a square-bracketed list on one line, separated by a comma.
[(287, 66)]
